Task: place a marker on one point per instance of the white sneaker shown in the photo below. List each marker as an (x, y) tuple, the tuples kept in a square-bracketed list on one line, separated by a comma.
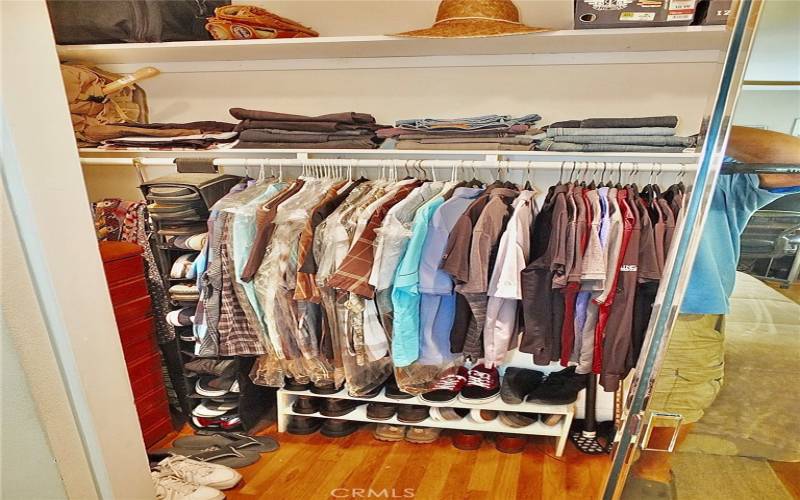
[(200, 473), (169, 487)]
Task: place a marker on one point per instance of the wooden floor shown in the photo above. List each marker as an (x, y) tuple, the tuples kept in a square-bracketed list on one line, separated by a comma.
[(793, 292), (315, 467)]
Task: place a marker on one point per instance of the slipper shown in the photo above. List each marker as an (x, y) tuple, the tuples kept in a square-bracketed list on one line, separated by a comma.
[(261, 444), (227, 456)]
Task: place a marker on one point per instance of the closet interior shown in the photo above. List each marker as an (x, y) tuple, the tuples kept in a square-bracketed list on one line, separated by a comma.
[(563, 75)]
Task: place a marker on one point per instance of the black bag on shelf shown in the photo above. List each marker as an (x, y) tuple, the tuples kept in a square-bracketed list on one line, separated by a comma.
[(115, 21)]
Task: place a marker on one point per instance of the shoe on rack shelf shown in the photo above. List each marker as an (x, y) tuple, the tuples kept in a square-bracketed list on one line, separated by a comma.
[(209, 408), (551, 420), (393, 390), (290, 384), (381, 411), (223, 422), (389, 432), (369, 395), (422, 435), (518, 383), (200, 473), (302, 426), (336, 428), (446, 388), (215, 386), (479, 416), (448, 414), (559, 388), (324, 389), (483, 385), (412, 414), (169, 487), (518, 419), (305, 405), (334, 407)]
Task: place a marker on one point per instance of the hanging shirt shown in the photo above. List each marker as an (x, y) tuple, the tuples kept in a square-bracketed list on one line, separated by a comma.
[(735, 199), (405, 295), (392, 237), (437, 299), (505, 289)]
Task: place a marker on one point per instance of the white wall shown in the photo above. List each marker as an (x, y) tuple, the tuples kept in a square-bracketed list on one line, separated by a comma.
[(775, 109), (27, 466), (776, 50)]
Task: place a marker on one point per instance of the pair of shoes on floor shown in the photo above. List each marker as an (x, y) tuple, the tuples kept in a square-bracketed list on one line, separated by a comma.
[(556, 388), (412, 434), (330, 427), (178, 477), (479, 385)]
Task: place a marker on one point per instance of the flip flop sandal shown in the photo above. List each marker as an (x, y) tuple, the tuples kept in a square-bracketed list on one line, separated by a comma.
[(239, 441), (227, 456)]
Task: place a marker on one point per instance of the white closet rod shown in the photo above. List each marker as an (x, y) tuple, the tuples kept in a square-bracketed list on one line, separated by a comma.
[(370, 163)]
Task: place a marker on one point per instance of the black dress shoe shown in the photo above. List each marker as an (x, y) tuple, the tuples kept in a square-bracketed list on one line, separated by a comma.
[(412, 414), (371, 394), (305, 405), (332, 407), (339, 428), (303, 425), (289, 384), (381, 411), (559, 388), (394, 392), (324, 389), (518, 383)]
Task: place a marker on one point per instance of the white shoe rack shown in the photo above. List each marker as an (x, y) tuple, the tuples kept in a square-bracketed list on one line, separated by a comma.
[(560, 431)]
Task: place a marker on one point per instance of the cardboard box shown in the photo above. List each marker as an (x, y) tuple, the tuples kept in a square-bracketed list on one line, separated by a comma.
[(711, 12), (633, 13)]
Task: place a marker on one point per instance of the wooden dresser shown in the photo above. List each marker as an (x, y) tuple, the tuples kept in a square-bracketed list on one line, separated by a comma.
[(124, 268)]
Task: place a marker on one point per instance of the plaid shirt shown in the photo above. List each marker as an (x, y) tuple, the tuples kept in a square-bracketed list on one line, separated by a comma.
[(236, 336), (353, 274)]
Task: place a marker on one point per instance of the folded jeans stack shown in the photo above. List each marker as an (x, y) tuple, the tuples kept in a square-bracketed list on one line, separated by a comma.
[(490, 132), (652, 134), (190, 135), (270, 130)]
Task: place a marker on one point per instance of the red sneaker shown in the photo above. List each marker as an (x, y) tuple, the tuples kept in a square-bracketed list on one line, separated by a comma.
[(446, 388), (483, 385)]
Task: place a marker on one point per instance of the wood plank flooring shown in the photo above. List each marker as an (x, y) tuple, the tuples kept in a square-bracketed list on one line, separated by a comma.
[(315, 467)]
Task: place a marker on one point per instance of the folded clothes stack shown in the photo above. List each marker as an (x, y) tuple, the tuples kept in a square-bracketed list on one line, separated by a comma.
[(270, 130), (650, 134), (490, 132), (190, 135)]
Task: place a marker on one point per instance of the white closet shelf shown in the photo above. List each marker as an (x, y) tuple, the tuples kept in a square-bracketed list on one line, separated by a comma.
[(234, 55), (560, 431), (95, 155)]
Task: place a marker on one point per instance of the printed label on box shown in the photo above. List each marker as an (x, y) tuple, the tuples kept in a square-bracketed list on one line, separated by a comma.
[(680, 17), (681, 4), (637, 16)]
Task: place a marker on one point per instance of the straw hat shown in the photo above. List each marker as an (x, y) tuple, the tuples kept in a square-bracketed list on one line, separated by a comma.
[(474, 18)]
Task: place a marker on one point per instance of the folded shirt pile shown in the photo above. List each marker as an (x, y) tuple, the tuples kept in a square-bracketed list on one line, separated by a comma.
[(270, 130), (190, 135), (650, 134), (490, 132), (182, 317)]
